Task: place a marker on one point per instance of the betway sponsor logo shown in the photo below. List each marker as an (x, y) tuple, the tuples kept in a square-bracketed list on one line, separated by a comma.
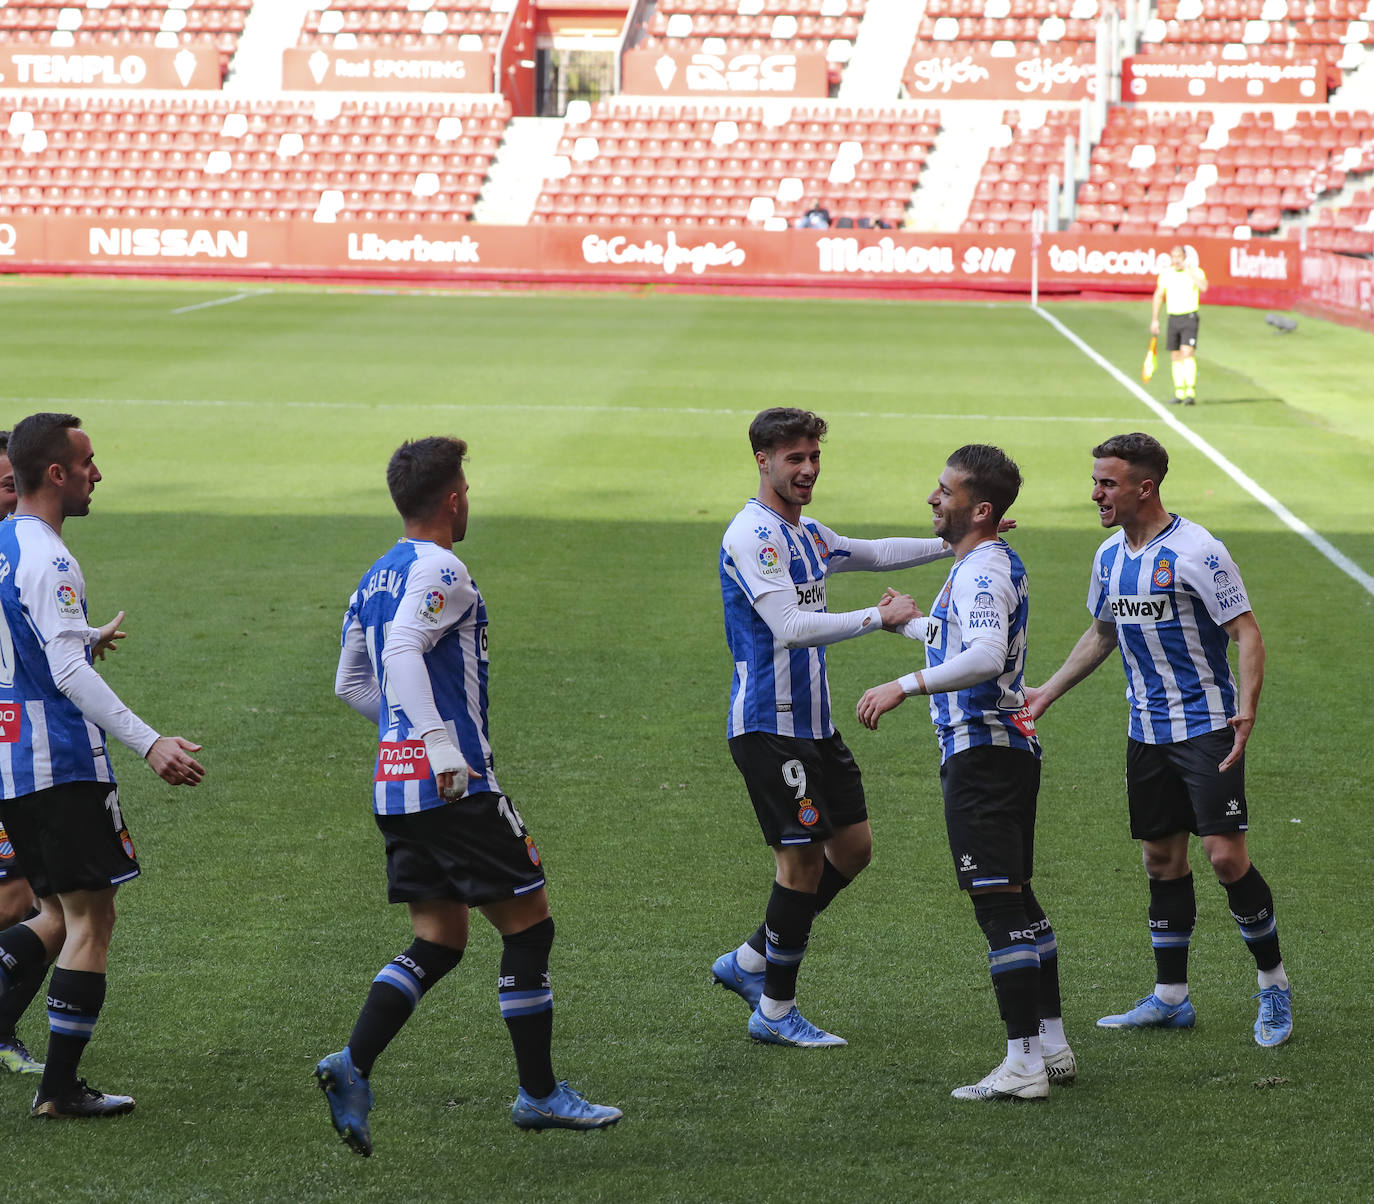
[(172, 242), (1258, 264), (1136, 261), (668, 255), (1141, 608), (373, 248), (108, 70), (890, 258)]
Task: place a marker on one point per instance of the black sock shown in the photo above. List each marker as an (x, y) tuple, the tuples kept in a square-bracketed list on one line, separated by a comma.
[(526, 996), (15, 1001), (1047, 948), (1012, 961), (21, 950), (75, 998), (1252, 908), (832, 882), (1173, 914), (395, 993), (788, 926)]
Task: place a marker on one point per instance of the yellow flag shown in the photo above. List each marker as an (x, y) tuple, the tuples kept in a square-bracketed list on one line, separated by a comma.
[(1147, 369)]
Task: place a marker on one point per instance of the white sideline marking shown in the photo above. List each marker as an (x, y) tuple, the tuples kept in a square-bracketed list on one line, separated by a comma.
[(658, 411), (186, 309), (1252, 487)]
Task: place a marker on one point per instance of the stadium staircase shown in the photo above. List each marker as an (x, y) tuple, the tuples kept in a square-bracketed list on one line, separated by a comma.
[(968, 138), (881, 51), (270, 29), (523, 161)]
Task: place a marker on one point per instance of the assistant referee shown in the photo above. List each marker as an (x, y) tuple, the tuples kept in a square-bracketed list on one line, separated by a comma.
[(1180, 290)]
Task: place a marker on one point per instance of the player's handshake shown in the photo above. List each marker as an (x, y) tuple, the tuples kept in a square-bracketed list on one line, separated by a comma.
[(897, 609)]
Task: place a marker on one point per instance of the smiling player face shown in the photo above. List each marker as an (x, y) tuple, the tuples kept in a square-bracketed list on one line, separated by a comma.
[(951, 507), (787, 475)]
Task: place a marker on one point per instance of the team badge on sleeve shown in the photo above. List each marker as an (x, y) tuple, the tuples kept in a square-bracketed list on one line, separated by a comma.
[(432, 607)]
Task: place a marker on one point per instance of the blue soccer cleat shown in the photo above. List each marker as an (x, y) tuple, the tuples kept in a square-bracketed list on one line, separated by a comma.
[(350, 1100), (792, 1029), (1274, 1025), (562, 1108), (1153, 1012), (728, 972)]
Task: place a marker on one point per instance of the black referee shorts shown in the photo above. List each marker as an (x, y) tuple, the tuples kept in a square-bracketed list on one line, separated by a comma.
[(1182, 331)]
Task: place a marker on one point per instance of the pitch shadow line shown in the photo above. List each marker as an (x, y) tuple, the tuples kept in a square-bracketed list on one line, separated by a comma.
[(1241, 478)]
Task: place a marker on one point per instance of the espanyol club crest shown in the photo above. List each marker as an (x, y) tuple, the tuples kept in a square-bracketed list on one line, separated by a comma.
[(1163, 574), (127, 843), (821, 546), (531, 851), (807, 814)]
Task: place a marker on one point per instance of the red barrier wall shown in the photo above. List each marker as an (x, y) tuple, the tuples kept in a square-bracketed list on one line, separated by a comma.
[(873, 262)]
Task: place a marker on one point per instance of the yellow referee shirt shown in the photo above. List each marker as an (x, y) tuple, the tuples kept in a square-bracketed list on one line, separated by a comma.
[(1181, 292)]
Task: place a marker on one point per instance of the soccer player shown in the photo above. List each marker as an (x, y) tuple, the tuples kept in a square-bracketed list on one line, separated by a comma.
[(58, 800), (414, 661), (1179, 290), (1168, 594), (975, 642), (803, 782), (17, 900)]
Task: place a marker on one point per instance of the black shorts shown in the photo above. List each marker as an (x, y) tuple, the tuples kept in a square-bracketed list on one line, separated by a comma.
[(990, 796), (1182, 331), (11, 868), (1177, 787), (473, 851), (803, 791), (71, 837)]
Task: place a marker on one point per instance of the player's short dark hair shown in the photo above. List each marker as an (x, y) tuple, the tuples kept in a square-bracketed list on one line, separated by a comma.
[(990, 475), (422, 472), (5, 442), (1142, 452), (784, 424), (36, 442)]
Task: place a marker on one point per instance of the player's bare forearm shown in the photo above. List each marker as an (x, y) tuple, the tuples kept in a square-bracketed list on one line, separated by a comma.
[(1094, 646), (1245, 632)]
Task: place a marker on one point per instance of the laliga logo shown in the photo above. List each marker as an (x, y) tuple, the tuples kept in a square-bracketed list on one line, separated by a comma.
[(9, 237)]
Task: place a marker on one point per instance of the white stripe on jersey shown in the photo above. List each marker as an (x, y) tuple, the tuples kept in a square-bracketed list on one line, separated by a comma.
[(37, 714)]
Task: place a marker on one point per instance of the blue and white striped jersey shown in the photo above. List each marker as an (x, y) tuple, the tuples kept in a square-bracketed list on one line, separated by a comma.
[(45, 740), (1169, 601), (986, 592), (776, 689), (424, 593)]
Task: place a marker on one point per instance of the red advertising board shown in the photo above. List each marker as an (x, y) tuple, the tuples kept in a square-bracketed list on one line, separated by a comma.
[(310, 70), (96, 65), (667, 254), (985, 77), (1341, 286), (1269, 80), (661, 72)]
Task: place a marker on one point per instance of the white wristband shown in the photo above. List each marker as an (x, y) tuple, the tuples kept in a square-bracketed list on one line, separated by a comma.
[(445, 758), (910, 683)]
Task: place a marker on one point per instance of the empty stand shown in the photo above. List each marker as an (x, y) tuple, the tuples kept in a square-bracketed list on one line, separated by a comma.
[(1015, 178), (726, 165), (219, 158), (441, 24)]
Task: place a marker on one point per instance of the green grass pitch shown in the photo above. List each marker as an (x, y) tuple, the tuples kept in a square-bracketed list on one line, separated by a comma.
[(243, 448)]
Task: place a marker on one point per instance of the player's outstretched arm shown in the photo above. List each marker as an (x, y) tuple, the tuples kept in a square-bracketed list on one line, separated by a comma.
[(1094, 646), (170, 758), (1245, 632)]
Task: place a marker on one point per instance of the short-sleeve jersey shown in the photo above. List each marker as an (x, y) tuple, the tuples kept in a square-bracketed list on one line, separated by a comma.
[(986, 591), (1181, 293), (1169, 601), (421, 587), (776, 689), (45, 740)]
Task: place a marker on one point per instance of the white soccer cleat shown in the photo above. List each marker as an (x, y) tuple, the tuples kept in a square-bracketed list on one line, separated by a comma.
[(1061, 1067), (1006, 1083)]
